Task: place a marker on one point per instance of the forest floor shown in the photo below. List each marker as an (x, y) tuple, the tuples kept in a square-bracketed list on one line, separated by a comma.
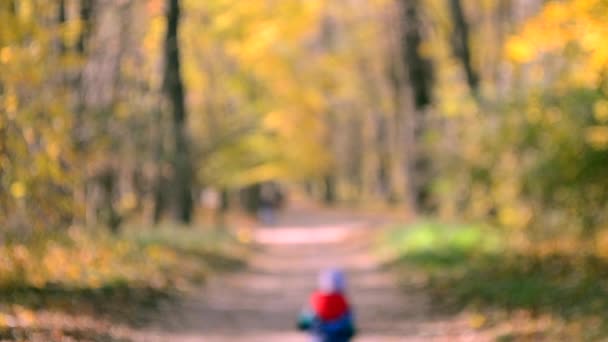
[(262, 301)]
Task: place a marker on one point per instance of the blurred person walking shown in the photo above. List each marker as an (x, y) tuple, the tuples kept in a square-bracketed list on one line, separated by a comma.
[(270, 200)]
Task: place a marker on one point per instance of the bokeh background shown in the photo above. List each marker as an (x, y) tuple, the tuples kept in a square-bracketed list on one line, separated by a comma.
[(485, 123)]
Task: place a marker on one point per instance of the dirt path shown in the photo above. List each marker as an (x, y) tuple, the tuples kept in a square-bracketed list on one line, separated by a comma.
[(262, 302)]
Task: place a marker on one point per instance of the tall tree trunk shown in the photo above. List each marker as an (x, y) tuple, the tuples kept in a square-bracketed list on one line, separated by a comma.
[(419, 76), (82, 195), (461, 44), (159, 188), (174, 92), (330, 177), (86, 16), (419, 68), (61, 18)]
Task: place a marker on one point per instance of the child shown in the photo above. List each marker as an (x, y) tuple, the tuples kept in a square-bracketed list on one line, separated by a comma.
[(329, 317)]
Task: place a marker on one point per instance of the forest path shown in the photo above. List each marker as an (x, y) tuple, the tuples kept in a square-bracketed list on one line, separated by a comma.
[(261, 302)]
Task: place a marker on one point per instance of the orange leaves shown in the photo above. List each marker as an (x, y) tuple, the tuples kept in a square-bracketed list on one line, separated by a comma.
[(17, 316), (6, 55), (155, 7), (561, 26)]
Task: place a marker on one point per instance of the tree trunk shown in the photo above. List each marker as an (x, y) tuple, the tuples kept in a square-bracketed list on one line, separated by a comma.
[(329, 190), (106, 211), (61, 18), (419, 69), (159, 194), (174, 92), (86, 16), (419, 78), (159, 182), (461, 44)]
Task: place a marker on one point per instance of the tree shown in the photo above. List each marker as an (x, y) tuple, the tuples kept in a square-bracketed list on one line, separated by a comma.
[(461, 45), (419, 78), (174, 93), (86, 17)]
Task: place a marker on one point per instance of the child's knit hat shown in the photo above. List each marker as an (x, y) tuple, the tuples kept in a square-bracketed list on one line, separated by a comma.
[(332, 280)]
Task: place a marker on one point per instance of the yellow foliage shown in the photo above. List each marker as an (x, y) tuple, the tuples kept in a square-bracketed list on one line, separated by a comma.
[(580, 23), (6, 320), (601, 244), (11, 103), (597, 136), (71, 31), (244, 235), (5, 55), (262, 173), (128, 201), (264, 39), (519, 50), (600, 110), (514, 216), (91, 260), (18, 190), (477, 320), (53, 150)]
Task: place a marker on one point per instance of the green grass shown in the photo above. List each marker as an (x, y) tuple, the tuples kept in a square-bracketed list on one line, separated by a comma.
[(435, 245), (475, 268)]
